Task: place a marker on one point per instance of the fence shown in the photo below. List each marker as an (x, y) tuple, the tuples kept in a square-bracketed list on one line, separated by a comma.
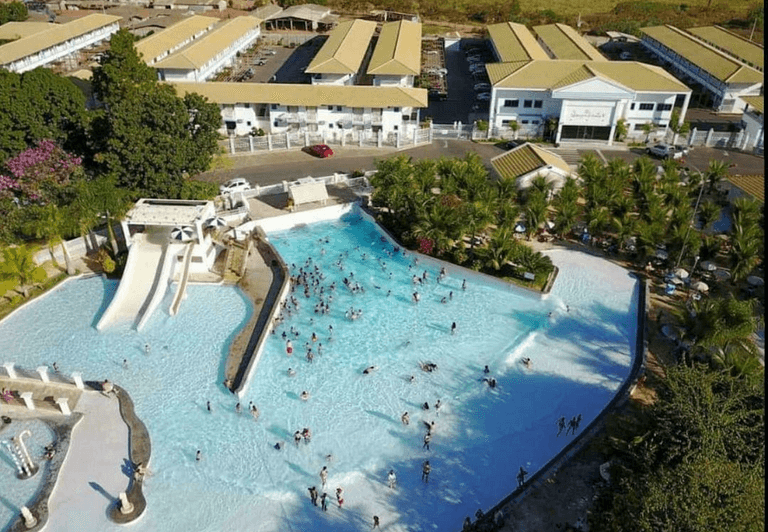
[(359, 138), (737, 140), (360, 183), (285, 39)]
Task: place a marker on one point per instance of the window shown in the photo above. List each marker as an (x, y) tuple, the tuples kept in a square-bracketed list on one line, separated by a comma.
[(664, 107), (632, 107), (536, 122), (397, 109), (406, 118), (274, 107), (511, 103), (537, 104), (248, 123), (646, 107), (525, 121), (396, 128), (338, 108), (505, 123), (528, 103), (330, 126)]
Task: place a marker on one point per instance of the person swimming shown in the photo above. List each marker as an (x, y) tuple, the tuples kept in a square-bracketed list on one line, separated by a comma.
[(291, 372), (369, 369), (304, 395)]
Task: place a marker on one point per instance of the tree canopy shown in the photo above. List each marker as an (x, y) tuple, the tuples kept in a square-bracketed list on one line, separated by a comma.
[(13, 12), (146, 136)]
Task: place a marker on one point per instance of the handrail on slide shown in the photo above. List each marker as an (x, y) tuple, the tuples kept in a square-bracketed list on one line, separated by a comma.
[(159, 286), (123, 289), (182, 288)]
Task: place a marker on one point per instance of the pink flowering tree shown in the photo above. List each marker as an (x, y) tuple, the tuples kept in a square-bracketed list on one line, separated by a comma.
[(38, 175)]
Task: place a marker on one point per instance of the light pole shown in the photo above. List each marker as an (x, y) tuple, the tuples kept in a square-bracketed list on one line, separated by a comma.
[(693, 218)]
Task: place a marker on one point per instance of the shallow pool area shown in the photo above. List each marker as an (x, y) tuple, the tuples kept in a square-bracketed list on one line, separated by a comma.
[(580, 340)]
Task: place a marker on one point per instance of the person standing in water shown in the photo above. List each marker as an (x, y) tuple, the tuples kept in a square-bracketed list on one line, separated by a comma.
[(375, 521), (405, 418), (324, 475), (313, 495), (453, 328), (426, 469), (391, 479), (324, 501)]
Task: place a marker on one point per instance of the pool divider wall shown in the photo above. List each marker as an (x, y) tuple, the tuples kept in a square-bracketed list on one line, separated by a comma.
[(277, 293), (619, 399)]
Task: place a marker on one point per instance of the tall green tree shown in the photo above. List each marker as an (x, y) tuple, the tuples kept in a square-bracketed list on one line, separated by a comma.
[(147, 137), (13, 12), (52, 224)]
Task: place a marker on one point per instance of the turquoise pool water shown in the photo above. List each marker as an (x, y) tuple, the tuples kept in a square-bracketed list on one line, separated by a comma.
[(580, 356)]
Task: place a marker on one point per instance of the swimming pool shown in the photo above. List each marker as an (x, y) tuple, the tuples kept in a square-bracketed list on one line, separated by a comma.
[(580, 356)]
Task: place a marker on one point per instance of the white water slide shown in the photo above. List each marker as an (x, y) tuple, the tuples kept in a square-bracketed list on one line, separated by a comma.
[(144, 282)]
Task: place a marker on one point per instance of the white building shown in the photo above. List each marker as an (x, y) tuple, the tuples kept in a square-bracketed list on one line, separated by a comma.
[(752, 121), (396, 59), (720, 79), (215, 50), (160, 45), (326, 110), (40, 48), (587, 98), (339, 60)]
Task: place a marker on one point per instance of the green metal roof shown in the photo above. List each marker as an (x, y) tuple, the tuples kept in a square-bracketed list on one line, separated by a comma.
[(755, 102), (515, 43), (717, 64), (526, 159), (565, 43), (737, 46)]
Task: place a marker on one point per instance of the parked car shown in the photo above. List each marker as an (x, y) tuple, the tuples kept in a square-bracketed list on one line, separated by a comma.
[(482, 87), (321, 150), (667, 151), (238, 184), (511, 144), (483, 96), (259, 62), (268, 52)]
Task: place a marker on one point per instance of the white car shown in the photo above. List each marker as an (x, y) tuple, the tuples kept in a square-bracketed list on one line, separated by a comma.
[(238, 184), (482, 87), (483, 97), (666, 151)]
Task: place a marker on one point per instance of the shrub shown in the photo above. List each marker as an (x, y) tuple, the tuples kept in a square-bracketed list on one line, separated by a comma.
[(199, 190)]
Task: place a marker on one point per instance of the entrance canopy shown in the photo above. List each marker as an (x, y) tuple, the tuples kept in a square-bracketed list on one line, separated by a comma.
[(307, 190), (167, 212)]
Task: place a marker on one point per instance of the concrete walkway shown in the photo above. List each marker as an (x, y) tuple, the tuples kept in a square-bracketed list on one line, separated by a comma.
[(92, 474)]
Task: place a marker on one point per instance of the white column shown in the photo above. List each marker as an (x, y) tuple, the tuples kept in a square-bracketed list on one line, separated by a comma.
[(287, 141), (709, 137), (744, 144), (343, 138), (62, 402), (306, 138), (231, 144), (397, 139), (269, 141), (250, 142), (27, 396), (43, 372), (684, 109), (11, 371), (78, 378), (360, 138)]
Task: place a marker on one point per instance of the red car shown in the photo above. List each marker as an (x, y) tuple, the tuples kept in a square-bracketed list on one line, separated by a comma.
[(321, 150)]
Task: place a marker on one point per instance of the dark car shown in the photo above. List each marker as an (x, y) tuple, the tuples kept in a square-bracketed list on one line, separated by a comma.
[(321, 150), (513, 144)]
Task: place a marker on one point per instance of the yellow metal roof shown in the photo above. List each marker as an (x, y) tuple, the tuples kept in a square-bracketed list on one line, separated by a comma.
[(201, 51), (10, 31), (345, 48), (731, 43), (159, 43), (703, 56), (515, 43), (565, 43), (548, 75), (57, 34), (307, 95), (754, 101), (754, 185), (398, 50), (526, 159)]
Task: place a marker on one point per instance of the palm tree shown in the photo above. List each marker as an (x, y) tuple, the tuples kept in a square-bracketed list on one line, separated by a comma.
[(499, 249), (744, 256), (535, 210), (709, 213), (624, 227), (476, 217), (715, 173), (19, 267), (111, 202), (52, 225)]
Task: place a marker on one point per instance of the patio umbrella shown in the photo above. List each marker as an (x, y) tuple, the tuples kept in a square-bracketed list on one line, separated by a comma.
[(184, 233), (708, 266), (754, 280), (519, 228), (722, 275), (215, 222), (661, 254), (681, 273), (670, 331), (700, 286), (676, 280)]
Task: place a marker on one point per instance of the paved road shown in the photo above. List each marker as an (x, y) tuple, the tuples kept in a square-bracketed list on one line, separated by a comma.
[(273, 167)]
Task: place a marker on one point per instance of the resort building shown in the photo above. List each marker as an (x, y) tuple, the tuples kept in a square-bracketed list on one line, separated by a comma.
[(396, 59), (720, 80), (11, 31), (585, 99), (340, 59), (752, 123), (528, 161), (514, 42), (191, 5), (329, 111), (734, 45), (563, 42), (160, 45), (208, 54), (306, 17), (39, 46)]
